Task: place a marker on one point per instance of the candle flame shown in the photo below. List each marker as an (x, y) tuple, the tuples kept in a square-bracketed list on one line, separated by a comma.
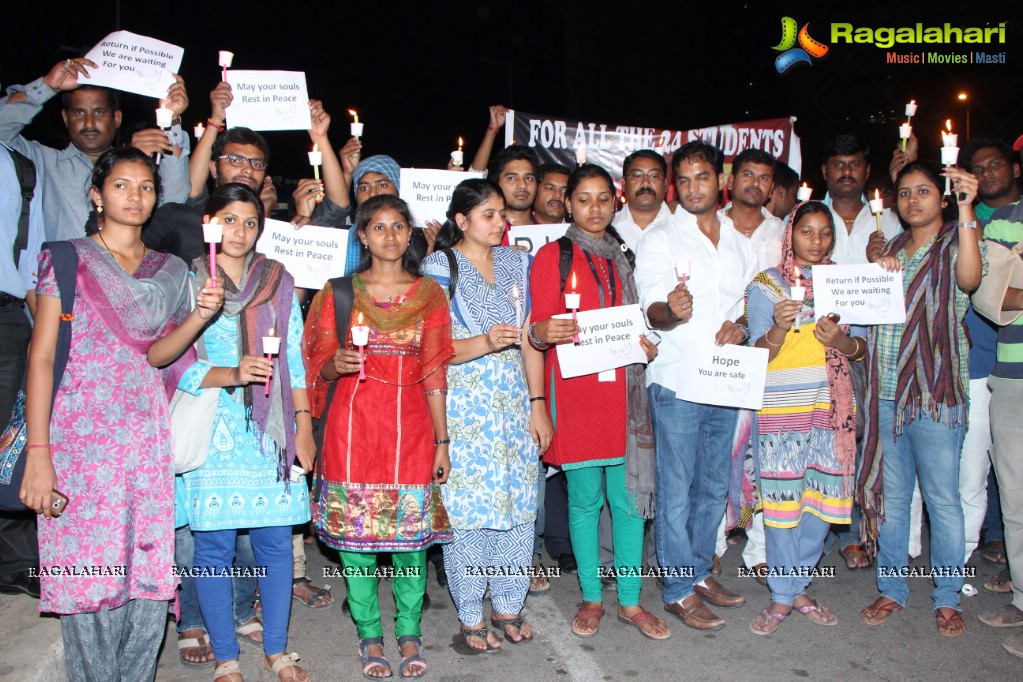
[(877, 194), (573, 281), (459, 143), (316, 147), (214, 221), (912, 101), (360, 319), (272, 332), (948, 124), (354, 114), (796, 274)]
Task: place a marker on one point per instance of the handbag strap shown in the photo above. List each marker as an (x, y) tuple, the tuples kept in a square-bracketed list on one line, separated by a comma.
[(65, 270), (344, 301)]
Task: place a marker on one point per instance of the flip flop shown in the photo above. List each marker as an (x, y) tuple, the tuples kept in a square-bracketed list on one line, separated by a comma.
[(950, 626), (879, 612), (769, 615), (815, 607), (645, 617), (317, 595), (284, 661), (516, 623), (855, 557), (201, 642)]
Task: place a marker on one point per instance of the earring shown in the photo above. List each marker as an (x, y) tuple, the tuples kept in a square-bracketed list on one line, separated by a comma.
[(99, 208)]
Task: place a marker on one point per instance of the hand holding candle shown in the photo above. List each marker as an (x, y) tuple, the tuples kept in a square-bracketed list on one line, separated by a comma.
[(905, 132), (804, 193), (213, 234), (457, 157), (682, 271), (356, 126), (797, 293), (572, 301), (271, 347), (360, 337), (877, 207), (949, 152)]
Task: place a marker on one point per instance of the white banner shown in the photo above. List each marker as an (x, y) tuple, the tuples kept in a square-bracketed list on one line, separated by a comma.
[(134, 63), (729, 375), (535, 236), (608, 339), (269, 100), (428, 191), (861, 294), (311, 254)]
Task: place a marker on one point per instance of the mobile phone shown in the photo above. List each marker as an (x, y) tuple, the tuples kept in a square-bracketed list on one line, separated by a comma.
[(296, 473), (653, 337), (59, 504)]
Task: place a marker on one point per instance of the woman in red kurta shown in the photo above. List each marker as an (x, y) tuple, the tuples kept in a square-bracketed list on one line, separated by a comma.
[(601, 421)]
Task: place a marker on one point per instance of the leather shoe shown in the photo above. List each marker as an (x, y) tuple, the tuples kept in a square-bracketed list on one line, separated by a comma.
[(567, 563), (20, 583), (715, 593), (693, 613)]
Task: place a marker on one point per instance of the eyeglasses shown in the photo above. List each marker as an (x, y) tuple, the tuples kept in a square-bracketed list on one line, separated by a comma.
[(652, 176), (237, 160)]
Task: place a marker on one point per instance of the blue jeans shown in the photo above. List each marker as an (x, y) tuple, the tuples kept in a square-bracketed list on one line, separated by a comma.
[(993, 528), (541, 512), (244, 588), (214, 550), (694, 450), (792, 550), (927, 450)]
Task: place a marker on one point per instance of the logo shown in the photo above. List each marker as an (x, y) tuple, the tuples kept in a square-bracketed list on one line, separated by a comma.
[(808, 50)]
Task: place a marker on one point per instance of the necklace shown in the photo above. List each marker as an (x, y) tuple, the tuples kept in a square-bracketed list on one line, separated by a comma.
[(112, 255), (393, 298)]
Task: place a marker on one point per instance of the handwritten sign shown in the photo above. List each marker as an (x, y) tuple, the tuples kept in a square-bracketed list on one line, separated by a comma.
[(861, 294), (608, 339), (134, 63), (428, 191), (729, 375), (535, 236), (312, 254), (269, 100)]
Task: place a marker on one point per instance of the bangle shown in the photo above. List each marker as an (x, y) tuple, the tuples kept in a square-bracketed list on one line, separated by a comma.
[(298, 412), (538, 397), (39, 447), (441, 441), (492, 129), (538, 343), (856, 350), (319, 375), (767, 340), (219, 126)]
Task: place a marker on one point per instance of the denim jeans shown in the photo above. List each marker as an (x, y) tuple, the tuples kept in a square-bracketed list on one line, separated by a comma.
[(244, 588), (694, 450), (927, 450)]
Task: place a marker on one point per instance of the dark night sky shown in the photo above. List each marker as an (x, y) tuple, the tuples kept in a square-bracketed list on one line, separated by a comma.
[(420, 74)]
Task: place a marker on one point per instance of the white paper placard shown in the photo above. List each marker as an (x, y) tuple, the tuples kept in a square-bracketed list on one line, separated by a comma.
[(608, 339), (269, 100), (535, 236), (729, 375), (134, 63), (312, 254), (861, 294), (427, 191)]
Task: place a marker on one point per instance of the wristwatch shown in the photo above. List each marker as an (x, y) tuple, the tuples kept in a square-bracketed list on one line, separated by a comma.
[(972, 224)]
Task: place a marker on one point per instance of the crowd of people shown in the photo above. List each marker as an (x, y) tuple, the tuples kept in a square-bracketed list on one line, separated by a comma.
[(416, 409)]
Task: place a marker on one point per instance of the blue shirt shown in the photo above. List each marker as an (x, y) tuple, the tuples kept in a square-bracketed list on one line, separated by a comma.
[(18, 276)]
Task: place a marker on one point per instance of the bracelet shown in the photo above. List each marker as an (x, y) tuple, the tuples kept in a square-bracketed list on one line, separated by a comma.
[(767, 340), (39, 447), (219, 126), (298, 412), (319, 375), (856, 351), (436, 391), (538, 397), (441, 441), (538, 343), (492, 129), (744, 329)]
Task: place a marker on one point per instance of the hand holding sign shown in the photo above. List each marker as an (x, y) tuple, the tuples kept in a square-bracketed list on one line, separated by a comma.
[(269, 100), (861, 294), (730, 375), (134, 63), (66, 74)]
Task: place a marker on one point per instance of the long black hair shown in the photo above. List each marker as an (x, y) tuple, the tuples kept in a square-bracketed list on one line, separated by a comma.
[(104, 166), (231, 192), (933, 173), (367, 209), (585, 172), (467, 195)]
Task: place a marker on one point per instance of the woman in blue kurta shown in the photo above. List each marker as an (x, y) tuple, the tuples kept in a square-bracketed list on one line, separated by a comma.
[(497, 420), (257, 435)]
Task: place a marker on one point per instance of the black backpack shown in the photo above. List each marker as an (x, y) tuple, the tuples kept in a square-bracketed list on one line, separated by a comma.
[(26, 172)]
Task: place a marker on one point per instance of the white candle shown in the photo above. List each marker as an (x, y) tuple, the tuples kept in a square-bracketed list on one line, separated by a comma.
[(911, 108), (804, 193), (271, 345), (580, 153), (949, 155), (315, 156), (457, 157), (949, 139), (199, 130), (797, 293), (226, 58), (877, 203), (212, 232), (682, 270), (356, 126), (517, 300), (905, 130), (164, 117), (360, 334)]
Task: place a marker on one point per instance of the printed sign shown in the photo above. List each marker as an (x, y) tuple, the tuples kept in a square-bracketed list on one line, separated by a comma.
[(861, 294), (535, 236), (134, 63), (428, 192), (729, 375), (269, 100), (311, 254), (608, 339)]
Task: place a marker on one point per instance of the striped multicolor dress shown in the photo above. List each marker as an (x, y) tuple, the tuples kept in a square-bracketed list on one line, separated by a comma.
[(798, 470)]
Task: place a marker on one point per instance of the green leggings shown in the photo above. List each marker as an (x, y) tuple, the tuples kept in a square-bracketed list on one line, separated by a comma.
[(585, 500), (408, 586)]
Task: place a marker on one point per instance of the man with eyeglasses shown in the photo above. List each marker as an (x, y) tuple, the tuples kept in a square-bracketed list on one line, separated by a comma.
[(644, 186), (92, 115)]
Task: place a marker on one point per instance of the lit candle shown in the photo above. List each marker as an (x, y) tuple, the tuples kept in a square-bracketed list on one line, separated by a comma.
[(360, 337), (905, 130), (356, 126), (225, 62), (572, 301), (682, 270), (911, 109), (797, 292), (949, 152), (950, 139), (271, 347), (316, 160), (804, 193), (199, 130), (213, 234), (164, 116), (580, 153), (876, 207), (456, 156)]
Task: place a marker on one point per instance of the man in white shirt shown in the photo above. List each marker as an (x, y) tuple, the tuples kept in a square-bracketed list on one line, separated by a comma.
[(644, 186), (694, 441), (750, 184)]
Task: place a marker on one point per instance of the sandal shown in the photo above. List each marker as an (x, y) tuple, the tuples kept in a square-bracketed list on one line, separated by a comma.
[(950, 626), (1008, 616), (284, 661), (368, 662), (317, 594), (880, 611), (815, 612), (539, 582), (645, 616), (1000, 584), (415, 659), (763, 630), (481, 633), (994, 552), (200, 642), (505, 623), (595, 612), (244, 633), (855, 557), (227, 669)]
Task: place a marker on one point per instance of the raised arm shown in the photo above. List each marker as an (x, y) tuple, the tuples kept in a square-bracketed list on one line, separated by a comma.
[(498, 114)]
